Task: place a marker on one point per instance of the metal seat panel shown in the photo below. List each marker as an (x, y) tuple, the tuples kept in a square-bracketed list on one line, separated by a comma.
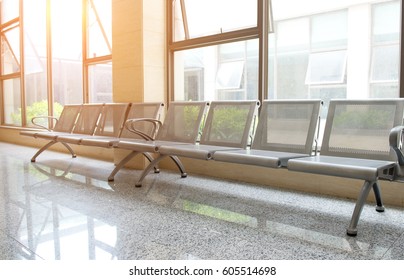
[(99, 141), (50, 135), (71, 139), (355, 168), (263, 158), (31, 133), (197, 151)]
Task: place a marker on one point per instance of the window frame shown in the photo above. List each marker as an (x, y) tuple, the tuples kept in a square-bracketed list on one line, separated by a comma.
[(260, 32), (86, 61)]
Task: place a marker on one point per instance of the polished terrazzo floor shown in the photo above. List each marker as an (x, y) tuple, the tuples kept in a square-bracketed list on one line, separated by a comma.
[(64, 208)]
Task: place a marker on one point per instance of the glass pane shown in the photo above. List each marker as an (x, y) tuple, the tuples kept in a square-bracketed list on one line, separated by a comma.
[(350, 48), (100, 83), (293, 35), (229, 75), (10, 42), (216, 16), (12, 102), (35, 60), (326, 68), (67, 51), (291, 69), (217, 72), (178, 22), (9, 10), (99, 28), (321, 37), (386, 22), (385, 90), (385, 63)]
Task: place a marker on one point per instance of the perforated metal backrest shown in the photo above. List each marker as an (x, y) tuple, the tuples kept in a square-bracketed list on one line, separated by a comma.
[(146, 110), (229, 123), (88, 119), (360, 128), (112, 119), (67, 118), (287, 126), (183, 121)]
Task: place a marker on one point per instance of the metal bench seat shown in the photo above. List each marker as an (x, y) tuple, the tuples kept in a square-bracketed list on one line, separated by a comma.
[(111, 125), (356, 146), (286, 129), (77, 119), (182, 124), (228, 126)]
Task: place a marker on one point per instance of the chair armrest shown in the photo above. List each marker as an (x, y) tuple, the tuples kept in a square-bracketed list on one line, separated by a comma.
[(395, 139), (130, 125), (34, 121)]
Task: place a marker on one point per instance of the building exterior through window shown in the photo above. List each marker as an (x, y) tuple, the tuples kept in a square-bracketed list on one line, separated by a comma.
[(319, 49)]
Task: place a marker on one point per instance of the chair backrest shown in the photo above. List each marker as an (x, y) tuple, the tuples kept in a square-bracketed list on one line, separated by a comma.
[(361, 128), (88, 118), (183, 121), (145, 110), (113, 116), (230, 123), (287, 126), (67, 118)]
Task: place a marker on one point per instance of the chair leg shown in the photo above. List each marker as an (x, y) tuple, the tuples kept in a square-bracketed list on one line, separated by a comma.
[(148, 168), (51, 143), (150, 159), (33, 159), (180, 166), (379, 203), (70, 149), (121, 164), (352, 229)]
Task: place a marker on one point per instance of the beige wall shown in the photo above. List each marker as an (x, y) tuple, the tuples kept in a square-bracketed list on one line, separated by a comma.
[(138, 59), (139, 75)]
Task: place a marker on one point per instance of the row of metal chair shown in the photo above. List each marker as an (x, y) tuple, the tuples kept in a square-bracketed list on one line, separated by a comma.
[(284, 134)]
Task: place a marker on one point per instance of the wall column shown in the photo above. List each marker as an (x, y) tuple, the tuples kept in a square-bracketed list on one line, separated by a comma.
[(138, 56)]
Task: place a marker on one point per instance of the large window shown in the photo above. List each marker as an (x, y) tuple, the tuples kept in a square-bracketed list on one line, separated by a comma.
[(319, 49), (214, 48), (51, 55), (307, 60), (218, 16)]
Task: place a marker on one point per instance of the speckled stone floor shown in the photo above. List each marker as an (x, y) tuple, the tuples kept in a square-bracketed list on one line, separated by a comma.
[(64, 208)]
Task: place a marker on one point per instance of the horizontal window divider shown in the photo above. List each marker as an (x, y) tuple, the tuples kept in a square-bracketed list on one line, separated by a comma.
[(99, 59), (205, 41), (384, 81), (10, 76), (10, 24)]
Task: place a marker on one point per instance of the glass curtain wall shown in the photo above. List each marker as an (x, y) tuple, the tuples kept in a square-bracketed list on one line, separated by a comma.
[(51, 55), (11, 62), (319, 49)]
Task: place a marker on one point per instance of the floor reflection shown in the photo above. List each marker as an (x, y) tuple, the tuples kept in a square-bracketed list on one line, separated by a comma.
[(52, 230)]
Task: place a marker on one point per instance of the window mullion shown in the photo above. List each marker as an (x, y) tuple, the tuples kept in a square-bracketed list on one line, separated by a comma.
[(22, 70), (184, 19), (227, 37)]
